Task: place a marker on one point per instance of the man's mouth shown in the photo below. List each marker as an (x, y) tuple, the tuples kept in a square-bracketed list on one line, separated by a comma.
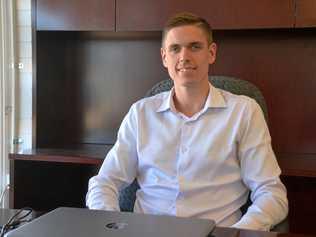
[(186, 69)]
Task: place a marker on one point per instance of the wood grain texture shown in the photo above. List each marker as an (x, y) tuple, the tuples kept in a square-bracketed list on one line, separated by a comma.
[(143, 15), (305, 13), (75, 15), (77, 94), (282, 65), (85, 86)]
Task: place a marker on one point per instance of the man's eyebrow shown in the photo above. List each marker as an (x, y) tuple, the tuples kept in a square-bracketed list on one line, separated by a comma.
[(196, 43), (173, 45)]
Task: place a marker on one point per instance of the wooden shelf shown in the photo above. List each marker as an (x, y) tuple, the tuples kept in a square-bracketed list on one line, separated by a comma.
[(88, 154)]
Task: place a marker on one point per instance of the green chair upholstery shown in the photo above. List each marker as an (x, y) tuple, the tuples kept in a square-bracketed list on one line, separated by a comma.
[(127, 196)]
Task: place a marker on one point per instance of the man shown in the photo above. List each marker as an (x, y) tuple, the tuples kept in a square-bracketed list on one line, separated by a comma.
[(196, 150)]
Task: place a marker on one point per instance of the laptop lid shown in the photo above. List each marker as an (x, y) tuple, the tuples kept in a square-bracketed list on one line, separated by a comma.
[(78, 222)]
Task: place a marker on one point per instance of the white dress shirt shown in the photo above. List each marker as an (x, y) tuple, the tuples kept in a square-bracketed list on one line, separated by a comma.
[(201, 166)]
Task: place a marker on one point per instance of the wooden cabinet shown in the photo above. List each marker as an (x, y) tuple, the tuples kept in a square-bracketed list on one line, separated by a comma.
[(140, 15), (301, 194), (45, 179), (305, 13), (75, 15), (150, 15)]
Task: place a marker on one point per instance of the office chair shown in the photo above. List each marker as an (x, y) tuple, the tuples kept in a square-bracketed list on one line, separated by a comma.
[(127, 196)]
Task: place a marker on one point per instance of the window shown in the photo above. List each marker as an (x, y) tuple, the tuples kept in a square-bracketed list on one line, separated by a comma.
[(7, 78)]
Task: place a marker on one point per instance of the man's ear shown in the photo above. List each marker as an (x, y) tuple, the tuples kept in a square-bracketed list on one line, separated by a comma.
[(212, 51), (163, 56)]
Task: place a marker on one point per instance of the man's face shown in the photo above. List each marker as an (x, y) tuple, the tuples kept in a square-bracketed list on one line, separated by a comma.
[(187, 54)]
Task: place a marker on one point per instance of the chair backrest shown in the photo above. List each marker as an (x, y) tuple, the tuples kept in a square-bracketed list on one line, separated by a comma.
[(236, 86)]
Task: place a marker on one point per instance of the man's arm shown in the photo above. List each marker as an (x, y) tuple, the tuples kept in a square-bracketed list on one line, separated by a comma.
[(260, 172), (118, 169)]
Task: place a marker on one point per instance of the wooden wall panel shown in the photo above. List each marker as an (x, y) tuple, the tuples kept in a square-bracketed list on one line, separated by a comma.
[(75, 15), (283, 66), (139, 15), (85, 98), (86, 84)]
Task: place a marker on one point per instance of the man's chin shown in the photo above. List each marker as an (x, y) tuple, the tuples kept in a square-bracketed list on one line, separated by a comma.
[(187, 81), (187, 74)]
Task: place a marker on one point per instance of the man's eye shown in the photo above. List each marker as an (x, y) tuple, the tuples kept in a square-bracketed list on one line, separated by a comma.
[(174, 49), (196, 47)]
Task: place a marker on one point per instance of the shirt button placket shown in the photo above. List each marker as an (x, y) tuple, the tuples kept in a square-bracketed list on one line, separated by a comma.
[(181, 167), (180, 197), (184, 146)]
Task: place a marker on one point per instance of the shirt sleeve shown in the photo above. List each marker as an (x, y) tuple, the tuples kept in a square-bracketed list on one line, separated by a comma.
[(118, 170), (261, 174)]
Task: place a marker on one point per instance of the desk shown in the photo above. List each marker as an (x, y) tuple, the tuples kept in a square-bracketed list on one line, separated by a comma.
[(45, 179)]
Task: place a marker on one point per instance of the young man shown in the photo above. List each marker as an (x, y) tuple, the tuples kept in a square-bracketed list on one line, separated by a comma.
[(196, 150)]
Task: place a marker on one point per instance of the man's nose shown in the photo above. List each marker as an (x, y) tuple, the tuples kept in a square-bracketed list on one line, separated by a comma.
[(185, 54)]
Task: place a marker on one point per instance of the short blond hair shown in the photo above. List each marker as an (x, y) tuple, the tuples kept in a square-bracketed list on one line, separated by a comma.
[(185, 19)]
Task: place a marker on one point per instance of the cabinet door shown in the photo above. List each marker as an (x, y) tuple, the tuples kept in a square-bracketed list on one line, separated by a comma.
[(75, 15), (305, 13), (222, 14)]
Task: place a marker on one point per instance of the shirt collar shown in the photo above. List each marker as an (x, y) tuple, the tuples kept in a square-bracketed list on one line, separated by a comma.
[(167, 102), (214, 99)]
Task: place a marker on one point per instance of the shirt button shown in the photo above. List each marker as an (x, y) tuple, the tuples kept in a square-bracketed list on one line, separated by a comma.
[(155, 179), (184, 149)]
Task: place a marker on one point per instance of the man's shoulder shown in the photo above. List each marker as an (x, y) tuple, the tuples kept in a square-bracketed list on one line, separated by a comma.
[(152, 102), (237, 100)]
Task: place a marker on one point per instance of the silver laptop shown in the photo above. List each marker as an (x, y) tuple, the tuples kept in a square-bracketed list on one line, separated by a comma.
[(79, 222)]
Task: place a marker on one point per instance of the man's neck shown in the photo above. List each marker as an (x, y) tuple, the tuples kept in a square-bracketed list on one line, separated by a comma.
[(190, 100)]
